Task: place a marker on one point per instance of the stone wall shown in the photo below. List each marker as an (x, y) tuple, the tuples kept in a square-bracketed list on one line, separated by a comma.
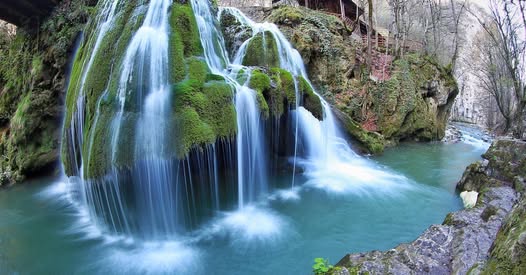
[(245, 3)]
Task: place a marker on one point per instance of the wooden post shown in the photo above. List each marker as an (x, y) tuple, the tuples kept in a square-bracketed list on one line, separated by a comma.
[(342, 9)]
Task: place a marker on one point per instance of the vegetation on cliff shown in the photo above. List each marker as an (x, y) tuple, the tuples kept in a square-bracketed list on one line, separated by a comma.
[(32, 79), (411, 99)]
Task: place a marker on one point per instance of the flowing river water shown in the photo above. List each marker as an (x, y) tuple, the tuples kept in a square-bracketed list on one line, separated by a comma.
[(42, 232)]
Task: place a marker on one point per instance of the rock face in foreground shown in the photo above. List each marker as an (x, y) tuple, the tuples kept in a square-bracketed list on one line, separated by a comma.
[(489, 238)]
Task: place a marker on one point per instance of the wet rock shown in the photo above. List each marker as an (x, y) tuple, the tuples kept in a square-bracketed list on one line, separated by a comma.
[(494, 229), (452, 135)]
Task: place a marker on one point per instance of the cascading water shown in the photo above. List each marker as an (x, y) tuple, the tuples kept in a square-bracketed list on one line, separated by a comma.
[(134, 182), (251, 159), (327, 159)]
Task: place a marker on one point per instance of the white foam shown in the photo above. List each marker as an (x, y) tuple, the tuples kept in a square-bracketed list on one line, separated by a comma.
[(153, 258)]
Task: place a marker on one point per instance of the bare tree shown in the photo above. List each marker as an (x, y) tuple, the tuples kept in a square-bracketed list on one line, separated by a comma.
[(369, 37), (504, 59)]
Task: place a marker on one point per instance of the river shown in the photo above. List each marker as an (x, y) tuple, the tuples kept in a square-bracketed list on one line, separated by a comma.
[(43, 232)]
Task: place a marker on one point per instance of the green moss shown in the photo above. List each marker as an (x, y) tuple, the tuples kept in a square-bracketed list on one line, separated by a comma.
[(182, 21), (260, 83), (184, 40), (193, 131), (197, 70), (216, 116), (98, 147), (508, 254), (220, 112), (286, 83), (177, 68), (311, 101), (370, 141), (97, 79), (262, 50), (287, 15)]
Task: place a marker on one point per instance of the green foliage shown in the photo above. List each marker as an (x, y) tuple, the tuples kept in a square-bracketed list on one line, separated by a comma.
[(322, 267)]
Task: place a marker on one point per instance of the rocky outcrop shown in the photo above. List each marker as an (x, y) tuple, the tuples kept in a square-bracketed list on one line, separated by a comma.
[(26, 12), (410, 99), (32, 83), (488, 238)]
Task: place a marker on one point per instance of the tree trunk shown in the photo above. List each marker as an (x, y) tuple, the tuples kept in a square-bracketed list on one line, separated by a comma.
[(342, 10), (369, 37)]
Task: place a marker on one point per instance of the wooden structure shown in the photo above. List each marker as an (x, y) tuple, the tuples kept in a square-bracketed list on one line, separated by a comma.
[(349, 12), (245, 3)]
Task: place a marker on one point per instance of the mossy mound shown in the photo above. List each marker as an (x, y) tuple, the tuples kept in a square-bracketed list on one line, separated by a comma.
[(262, 51), (276, 92), (311, 101), (204, 113), (202, 109)]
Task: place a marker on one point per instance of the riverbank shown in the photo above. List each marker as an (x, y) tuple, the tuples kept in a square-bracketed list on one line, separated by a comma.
[(488, 238)]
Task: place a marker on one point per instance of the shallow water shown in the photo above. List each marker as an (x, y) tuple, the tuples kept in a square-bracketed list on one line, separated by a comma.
[(42, 232)]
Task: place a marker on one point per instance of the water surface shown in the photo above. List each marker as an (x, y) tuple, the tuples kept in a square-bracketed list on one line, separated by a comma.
[(42, 232)]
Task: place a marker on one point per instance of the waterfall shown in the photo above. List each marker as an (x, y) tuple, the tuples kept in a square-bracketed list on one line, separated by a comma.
[(103, 23), (128, 173), (251, 153), (325, 146)]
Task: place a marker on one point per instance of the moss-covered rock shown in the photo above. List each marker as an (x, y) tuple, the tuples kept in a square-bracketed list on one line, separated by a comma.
[(508, 254), (32, 79), (262, 50), (412, 103), (311, 101), (234, 32), (203, 114), (202, 109), (372, 142)]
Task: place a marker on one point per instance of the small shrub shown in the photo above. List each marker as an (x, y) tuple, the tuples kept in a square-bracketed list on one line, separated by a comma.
[(321, 266)]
